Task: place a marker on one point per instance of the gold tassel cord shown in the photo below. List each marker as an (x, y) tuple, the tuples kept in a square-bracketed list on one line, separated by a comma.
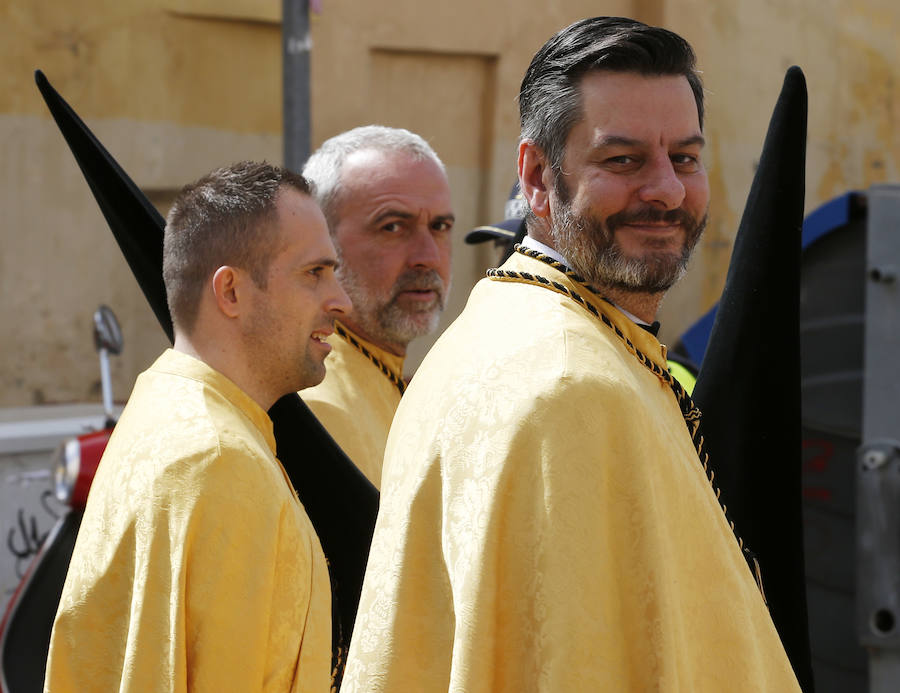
[(395, 379)]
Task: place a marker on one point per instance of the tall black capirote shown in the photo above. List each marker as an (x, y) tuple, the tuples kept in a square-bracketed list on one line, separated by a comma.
[(748, 387)]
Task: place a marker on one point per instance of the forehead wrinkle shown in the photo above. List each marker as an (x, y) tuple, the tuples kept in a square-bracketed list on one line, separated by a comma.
[(393, 213)]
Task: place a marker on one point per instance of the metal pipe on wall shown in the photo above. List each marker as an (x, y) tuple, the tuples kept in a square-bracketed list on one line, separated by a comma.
[(296, 44)]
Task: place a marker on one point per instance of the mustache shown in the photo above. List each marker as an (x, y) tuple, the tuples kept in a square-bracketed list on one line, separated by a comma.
[(648, 214), (419, 280), (325, 324)]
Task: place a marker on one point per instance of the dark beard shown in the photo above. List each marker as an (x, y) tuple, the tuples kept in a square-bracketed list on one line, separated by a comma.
[(590, 247)]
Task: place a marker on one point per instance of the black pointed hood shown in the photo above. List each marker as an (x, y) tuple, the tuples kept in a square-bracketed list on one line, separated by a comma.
[(341, 503), (135, 223), (748, 387)]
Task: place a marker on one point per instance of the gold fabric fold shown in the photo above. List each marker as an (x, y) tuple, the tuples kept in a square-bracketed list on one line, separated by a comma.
[(356, 401), (196, 567), (545, 524)]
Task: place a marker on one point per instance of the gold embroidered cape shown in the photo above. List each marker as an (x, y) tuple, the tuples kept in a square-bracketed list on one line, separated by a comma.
[(356, 401), (545, 524), (196, 568)]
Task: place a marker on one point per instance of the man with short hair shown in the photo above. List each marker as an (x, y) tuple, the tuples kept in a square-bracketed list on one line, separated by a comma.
[(196, 567), (385, 194), (546, 521)]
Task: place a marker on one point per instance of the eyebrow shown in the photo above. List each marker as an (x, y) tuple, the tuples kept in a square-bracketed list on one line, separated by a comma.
[(324, 262), (397, 214), (446, 217), (698, 140), (622, 141)]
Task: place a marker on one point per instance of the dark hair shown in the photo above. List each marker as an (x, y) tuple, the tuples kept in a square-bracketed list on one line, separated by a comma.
[(227, 217), (550, 95)]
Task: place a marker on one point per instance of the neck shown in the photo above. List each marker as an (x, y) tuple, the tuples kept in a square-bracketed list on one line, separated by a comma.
[(395, 348), (642, 305), (540, 232), (227, 361)]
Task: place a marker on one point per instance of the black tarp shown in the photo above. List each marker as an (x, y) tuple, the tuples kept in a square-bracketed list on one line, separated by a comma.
[(748, 387)]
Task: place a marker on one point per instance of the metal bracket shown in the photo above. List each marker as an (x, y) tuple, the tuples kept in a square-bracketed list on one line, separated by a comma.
[(878, 544)]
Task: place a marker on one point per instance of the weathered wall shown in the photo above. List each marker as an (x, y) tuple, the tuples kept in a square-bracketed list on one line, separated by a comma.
[(171, 92), (176, 87)]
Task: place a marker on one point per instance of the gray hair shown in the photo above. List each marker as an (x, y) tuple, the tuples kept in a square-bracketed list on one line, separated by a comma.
[(323, 168)]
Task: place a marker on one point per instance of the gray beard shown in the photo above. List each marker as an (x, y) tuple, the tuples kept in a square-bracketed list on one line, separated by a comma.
[(589, 246), (381, 317)]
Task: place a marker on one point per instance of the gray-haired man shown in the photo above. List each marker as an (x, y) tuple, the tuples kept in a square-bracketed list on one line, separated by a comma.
[(387, 201)]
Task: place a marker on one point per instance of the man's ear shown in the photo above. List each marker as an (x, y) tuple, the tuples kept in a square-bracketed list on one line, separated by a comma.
[(226, 284), (534, 178)]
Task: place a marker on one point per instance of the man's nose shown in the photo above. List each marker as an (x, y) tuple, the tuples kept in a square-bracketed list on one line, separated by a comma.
[(663, 187), (337, 302), (424, 250)]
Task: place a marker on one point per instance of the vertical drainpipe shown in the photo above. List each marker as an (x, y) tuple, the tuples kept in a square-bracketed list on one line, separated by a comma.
[(296, 44)]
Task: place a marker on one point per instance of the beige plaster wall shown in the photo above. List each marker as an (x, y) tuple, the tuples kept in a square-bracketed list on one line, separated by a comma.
[(172, 91), (175, 87)]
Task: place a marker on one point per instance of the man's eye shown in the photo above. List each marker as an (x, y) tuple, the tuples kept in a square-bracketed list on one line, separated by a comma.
[(392, 227), (622, 161), (686, 162), (442, 226)]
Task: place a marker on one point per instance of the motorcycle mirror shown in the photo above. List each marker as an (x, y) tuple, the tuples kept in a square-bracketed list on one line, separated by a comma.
[(107, 333)]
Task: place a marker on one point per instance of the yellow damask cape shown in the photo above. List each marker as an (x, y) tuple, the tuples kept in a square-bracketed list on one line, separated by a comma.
[(195, 568), (545, 524), (356, 401)]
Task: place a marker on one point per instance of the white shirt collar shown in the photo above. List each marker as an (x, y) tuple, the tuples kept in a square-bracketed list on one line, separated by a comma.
[(535, 244)]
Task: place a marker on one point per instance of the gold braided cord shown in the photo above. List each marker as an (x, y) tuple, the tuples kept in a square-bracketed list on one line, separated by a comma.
[(689, 410), (395, 379)]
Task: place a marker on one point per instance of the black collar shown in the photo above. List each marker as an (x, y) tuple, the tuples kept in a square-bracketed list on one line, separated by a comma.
[(652, 329)]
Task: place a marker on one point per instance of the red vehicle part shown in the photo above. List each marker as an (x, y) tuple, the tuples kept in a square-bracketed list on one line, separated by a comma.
[(28, 621), (76, 465)]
